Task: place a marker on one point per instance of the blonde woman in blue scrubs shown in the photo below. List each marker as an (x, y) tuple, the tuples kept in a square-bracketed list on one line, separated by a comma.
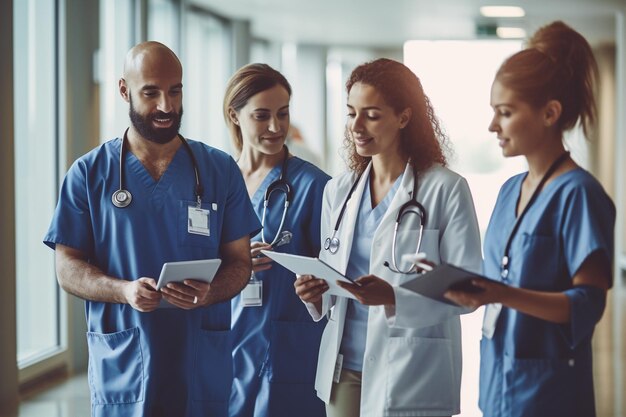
[(549, 241), (275, 342), (391, 352)]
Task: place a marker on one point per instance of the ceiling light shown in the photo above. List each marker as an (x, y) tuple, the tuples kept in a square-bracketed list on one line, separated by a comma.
[(502, 11), (510, 33)]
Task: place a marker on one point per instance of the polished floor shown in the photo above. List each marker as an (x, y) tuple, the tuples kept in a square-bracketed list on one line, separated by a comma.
[(68, 398)]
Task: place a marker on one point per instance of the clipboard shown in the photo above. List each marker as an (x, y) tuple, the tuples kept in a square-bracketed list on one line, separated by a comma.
[(442, 278), (305, 265), (200, 270)]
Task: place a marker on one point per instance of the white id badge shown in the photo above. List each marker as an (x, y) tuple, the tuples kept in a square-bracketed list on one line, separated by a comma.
[(492, 312), (338, 368), (252, 295), (198, 221)]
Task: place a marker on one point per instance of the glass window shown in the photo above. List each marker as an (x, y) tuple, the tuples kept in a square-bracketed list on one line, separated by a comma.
[(206, 64), (163, 18), (38, 331), (266, 52), (116, 38)]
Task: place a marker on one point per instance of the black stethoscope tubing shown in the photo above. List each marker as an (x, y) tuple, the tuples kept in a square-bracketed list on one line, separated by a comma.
[(506, 260), (122, 197), (332, 243)]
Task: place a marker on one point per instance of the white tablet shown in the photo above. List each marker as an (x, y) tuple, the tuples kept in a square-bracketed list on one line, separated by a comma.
[(200, 270), (304, 265)]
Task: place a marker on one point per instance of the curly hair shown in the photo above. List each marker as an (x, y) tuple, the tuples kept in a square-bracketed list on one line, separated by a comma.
[(422, 139), (248, 81), (558, 64)]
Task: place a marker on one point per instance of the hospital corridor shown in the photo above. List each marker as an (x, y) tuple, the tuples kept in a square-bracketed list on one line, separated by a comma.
[(375, 141)]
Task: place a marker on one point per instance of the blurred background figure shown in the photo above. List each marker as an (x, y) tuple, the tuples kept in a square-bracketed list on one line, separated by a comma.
[(300, 148)]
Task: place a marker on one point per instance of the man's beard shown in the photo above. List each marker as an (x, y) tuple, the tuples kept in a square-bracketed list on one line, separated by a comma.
[(144, 126)]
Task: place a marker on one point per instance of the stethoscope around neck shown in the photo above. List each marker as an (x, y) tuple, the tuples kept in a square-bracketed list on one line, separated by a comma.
[(412, 206), (122, 197), (280, 185)]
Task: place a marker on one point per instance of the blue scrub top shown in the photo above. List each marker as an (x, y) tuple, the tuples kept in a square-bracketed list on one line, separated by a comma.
[(169, 362), (355, 328), (276, 345), (532, 367)]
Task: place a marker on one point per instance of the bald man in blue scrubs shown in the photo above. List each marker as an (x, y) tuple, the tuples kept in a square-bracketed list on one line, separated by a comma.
[(184, 201)]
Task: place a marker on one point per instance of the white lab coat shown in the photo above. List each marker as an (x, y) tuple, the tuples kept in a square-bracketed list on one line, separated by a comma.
[(412, 360)]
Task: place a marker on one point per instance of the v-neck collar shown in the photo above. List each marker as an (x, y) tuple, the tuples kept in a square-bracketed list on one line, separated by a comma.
[(376, 214), (272, 175), (152, 186), (546, 189)]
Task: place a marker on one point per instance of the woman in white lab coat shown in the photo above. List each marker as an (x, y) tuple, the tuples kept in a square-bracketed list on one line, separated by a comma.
[(390, 351)]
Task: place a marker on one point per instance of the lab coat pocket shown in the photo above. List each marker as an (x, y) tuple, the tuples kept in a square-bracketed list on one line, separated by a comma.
[(185, 238), (213, 366), (294, 347), (420, 374), (115, 367), (539, 387)]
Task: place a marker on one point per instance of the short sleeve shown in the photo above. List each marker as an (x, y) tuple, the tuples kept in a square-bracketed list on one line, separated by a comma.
[(71, 223), (588, 226), (239, 216)]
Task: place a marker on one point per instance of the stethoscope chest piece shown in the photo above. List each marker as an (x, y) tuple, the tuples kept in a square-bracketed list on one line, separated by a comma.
[(121, 198), (332, 244)]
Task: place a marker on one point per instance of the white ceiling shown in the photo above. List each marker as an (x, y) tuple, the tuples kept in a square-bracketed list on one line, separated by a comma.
[(388, 23)]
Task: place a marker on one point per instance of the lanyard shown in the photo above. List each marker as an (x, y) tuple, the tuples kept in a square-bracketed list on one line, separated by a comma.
[(506, 260)]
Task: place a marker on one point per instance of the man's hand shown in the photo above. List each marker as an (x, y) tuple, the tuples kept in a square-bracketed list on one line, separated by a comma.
[(188, 294), (142, 294)]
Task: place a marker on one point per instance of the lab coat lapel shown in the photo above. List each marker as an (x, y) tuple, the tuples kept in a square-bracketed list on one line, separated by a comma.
[(346, 230), (403, 194)]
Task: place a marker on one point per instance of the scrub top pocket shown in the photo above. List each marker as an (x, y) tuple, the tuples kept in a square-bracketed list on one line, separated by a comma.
[(115, 367), (539, 387), (537, 260), (190, 239)]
